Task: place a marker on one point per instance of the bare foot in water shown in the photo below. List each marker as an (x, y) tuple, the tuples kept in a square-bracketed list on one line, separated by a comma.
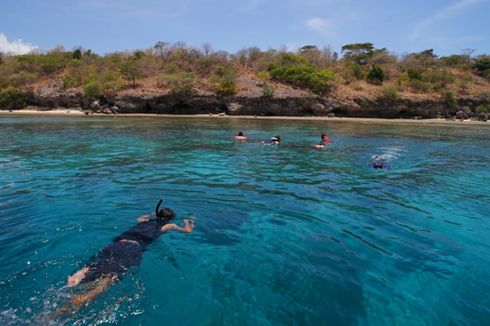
[(76, 278)]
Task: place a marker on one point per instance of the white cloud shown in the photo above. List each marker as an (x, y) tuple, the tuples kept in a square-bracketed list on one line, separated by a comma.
[(15, 47), (440, 15), (319, 25)]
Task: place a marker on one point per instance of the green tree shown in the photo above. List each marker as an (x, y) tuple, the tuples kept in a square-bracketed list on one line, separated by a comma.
[(182, 85), (358, 71), (263, 75), (414, 74), (93, 89), (77, 54), (307, 48), (454, 60), (449, 100), (376, 75), (12, 98), (482, 66), (22, 78), (296, 70), (225, 81), (438, 79), (389, 94), (111, 80), (358, 52), (268, 90), (426, 58), (131, 70), (138, 54), (312, 54)]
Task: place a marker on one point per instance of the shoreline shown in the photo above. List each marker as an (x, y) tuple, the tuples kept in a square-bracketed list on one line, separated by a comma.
[(78, 113)]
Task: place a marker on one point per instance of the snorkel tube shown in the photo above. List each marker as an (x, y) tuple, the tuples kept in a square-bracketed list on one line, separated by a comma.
[(158, 208)]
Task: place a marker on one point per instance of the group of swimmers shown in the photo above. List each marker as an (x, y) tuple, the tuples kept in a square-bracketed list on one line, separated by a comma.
[(276, 140), (378, 161)]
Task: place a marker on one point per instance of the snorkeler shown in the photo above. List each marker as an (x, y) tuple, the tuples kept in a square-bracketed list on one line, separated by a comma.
[(125, 251), (240, 136), (276, 140), (379, 162), (324, 140)]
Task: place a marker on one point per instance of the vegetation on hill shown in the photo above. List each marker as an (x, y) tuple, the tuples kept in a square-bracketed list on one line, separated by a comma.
[(185, 71)]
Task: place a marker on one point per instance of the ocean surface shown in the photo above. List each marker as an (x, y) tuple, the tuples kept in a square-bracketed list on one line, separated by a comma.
[(285, 235)]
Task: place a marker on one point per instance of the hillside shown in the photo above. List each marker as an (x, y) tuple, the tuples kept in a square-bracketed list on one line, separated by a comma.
[(364, 78)]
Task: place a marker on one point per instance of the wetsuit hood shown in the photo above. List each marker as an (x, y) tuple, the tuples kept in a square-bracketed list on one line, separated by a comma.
[(165, 213)]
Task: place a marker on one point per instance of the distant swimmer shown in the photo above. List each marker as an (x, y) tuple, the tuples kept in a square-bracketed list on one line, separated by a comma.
[(276, 140), (240, 136), (324, 140), (113, 261), (379, 162)]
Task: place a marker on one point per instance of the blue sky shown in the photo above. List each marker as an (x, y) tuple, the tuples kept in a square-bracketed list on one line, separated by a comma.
[(112, 25)]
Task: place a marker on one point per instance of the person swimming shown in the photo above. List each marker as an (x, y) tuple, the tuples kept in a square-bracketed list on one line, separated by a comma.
[(276, 140), (324, 140), (379, 162), (240, 136), (125, 251)]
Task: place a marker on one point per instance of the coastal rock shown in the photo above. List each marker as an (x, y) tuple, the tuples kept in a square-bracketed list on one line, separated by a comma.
[(467, 111), (319, 109), (95, 106), (482, 117), (461, 115), (49, 98), (308, 105), (233, 107)]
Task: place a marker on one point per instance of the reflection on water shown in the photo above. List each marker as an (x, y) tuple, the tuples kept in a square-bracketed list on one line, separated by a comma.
[(285, 234)]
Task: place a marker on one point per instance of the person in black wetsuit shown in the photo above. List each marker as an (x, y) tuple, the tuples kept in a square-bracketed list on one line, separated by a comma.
[(379, 163), (125, 251)]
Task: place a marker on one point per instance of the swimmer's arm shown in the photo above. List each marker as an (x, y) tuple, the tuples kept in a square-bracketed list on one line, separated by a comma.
[(144, 218), (188, 227), (76, 278)]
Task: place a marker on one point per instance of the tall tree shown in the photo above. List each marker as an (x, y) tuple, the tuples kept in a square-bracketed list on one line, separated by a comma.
[(206, 49), (131, 70), (359, 52), (161, 48), (467, 53)]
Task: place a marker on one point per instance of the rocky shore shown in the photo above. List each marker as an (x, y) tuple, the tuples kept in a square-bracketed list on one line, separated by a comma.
[(402, 108)]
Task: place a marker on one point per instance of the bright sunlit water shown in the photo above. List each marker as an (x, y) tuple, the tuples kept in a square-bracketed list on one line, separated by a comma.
[(285, 235)]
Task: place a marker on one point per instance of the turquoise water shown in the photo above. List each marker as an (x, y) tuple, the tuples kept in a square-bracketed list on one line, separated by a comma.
[(285, 235)]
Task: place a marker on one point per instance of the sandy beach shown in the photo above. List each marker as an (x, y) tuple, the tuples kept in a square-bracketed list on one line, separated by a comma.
[(78, 113)]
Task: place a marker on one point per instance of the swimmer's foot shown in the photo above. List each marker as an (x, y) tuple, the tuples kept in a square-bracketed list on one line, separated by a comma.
[(76, 278)]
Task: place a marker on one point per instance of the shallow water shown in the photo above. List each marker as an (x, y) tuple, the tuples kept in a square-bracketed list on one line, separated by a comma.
[(286, 235)]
